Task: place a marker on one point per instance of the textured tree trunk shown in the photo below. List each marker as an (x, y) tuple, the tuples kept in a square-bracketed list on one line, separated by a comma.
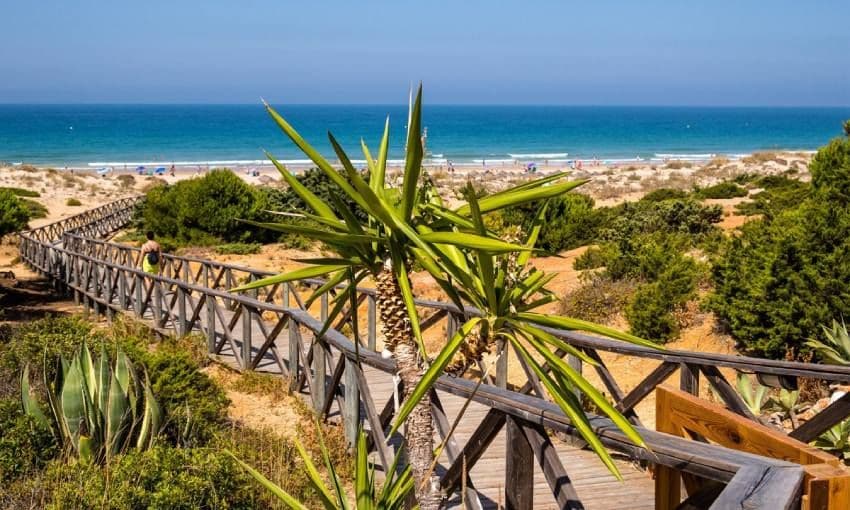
[(419, 429)]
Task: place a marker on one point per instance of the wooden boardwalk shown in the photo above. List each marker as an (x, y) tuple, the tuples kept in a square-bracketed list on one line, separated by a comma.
[(503, 439), (597, 488)]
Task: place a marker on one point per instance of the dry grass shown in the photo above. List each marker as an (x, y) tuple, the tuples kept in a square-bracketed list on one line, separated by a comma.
[(759, 157), (678, 164)]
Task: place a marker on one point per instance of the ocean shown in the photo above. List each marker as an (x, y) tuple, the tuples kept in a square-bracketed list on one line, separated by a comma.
[(116, 135)]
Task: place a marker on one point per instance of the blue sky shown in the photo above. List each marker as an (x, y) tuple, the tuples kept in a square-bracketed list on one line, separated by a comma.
[(492, 52)]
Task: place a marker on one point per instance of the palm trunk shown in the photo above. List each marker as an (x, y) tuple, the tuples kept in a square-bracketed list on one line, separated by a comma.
[(419, 429)]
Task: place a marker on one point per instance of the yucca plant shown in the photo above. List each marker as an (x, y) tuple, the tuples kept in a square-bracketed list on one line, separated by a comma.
[(507, 294), (404, 226), (836, 349), (391, 496), (97, 411)]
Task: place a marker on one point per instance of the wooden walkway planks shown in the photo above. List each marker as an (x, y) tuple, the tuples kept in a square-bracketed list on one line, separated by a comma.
[(597, 488)]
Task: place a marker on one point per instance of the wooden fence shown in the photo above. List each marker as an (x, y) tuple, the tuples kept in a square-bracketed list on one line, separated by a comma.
[(271, 327)]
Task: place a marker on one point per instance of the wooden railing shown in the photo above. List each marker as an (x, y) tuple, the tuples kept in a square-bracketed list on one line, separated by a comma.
[(193, 294)]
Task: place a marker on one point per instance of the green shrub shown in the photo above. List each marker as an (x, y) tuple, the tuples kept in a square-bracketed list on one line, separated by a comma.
[(205, 211), (195, 406), (650, 314), (21, 192), (14, 214), (160, 478), (238, 248), (686, 216), (662, 194), (35, 209), (599, 299), (779, 194), (36, 341), (24, 445), (724, 189), (73, 202), (787, 273), (570, 221), (592, 258)]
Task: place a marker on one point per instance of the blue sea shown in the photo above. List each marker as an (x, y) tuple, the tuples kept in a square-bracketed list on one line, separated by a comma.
[(114, 135)]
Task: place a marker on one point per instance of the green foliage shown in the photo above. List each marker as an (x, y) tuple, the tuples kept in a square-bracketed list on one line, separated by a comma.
[(205, 211), (35, 209), (753, 395), (836, 349), (599, 299), (25, 444), (195, 406), (238, 249), (14, 214), (686, 216), (570, 221), (42, 339), (97, 409), (661, 194), (724, 189), (836, 440), (787, 273), (779, 194), (593, 258), (21, 192), (157, 479), (391, 496), (73, 202)]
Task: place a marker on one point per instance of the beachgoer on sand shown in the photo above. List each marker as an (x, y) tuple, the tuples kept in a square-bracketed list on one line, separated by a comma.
[(151, 255)]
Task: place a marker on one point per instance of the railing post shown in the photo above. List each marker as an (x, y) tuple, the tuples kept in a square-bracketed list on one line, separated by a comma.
[(139, 294), (246, 337), (182, 319), (122, 289), (75, 271), (95, 288), (319, 371), (108, 292), (576, 364), (519, 468), (157, 303), (351, 411), (294, 353), (372, 323), (689, 378)]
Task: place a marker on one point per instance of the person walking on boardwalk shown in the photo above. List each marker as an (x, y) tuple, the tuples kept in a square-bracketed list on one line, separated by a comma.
[(151, 255)]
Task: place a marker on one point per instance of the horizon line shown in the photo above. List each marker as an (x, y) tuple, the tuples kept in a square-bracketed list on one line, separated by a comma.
[(568, 105)]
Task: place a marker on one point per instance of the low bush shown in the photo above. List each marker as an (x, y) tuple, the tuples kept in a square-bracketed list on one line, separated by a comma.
[(662, 194), (651, 312), (73, 202), (570, 221), (35, 209), (238, 249), (25, 446), (126, 181), (14, 214), (205, 211), (724, 189), (599, 299), (592, 258), (21, 192)]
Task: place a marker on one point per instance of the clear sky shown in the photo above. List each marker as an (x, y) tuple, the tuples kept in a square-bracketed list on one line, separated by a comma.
[(721, 52)]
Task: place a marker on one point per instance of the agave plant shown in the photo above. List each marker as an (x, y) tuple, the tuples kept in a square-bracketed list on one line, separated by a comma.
[(836, 349), (506, 293), (836, 440), (392, 495), (97, 411), (754, 398)]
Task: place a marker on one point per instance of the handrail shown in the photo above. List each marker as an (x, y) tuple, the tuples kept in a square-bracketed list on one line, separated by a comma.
[(194, 294)]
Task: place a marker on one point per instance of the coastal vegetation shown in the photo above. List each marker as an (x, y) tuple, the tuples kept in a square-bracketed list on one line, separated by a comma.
[(184, 463)]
